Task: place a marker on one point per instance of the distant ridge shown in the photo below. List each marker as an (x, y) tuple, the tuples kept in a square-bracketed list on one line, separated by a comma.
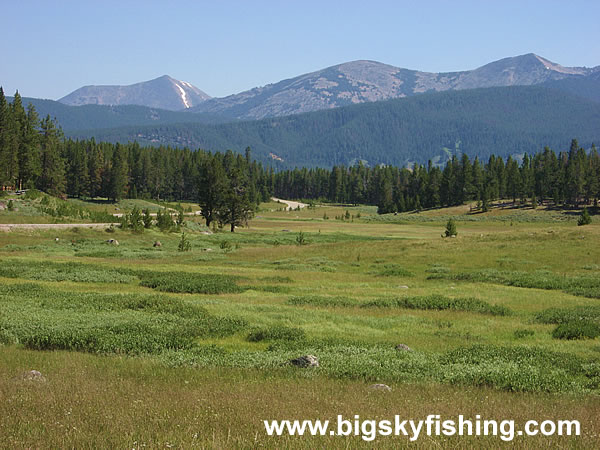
[(163, 92), (367, 81)]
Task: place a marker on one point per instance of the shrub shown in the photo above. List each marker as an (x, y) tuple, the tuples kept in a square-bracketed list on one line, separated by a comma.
[(392, 270), (317, 300), (576, 330), (276, 333), (225, 246), (451, 228), (439, 302), (184, 244), (190, 283), (565, 315), (300, 239), (523, 333), (147, 218), (585, 218), (32, 194), (10, 205)]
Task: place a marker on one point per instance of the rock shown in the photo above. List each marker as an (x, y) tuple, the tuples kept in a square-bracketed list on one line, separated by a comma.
[(113, 242), (34, 375), (403, 348), (380, 387), (207, 232), (452, 235), (403, 287), (157, 244), (306, 361), (207, 249), (56, 239)]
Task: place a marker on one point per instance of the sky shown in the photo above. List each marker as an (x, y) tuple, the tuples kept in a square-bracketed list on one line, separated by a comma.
[(50, 48)]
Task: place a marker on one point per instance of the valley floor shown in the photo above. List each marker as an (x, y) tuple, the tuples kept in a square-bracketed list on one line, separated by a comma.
[(148, 346)]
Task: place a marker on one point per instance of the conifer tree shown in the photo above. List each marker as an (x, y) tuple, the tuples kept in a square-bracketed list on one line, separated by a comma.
[(236, 208), (52, 179), (118, 174), (212, 182)]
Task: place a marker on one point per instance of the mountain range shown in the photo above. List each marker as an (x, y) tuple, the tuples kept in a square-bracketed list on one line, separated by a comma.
[(360, 110), (434, 126), (341, 85)]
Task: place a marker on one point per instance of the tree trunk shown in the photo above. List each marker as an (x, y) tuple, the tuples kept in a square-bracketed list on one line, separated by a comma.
[(232, 228)]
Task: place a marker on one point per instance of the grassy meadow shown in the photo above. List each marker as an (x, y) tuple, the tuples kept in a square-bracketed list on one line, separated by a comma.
[(145, 346)]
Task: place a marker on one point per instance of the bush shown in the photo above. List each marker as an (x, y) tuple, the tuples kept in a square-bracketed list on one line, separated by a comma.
[(190, 283), (225, 246), (276, 333), (184, 244), (576, 330), (566, 315), (392, 270), (317, 300), (300, 239), (520, 334), (439, 302), (585, 218), (451, 228), (32, 194)]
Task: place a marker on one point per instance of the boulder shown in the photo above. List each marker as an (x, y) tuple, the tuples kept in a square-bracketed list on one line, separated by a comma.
[(113, 242), (33, 375), (403, 287), (157, 244), (380, 387), (403, 348), (306, 361)]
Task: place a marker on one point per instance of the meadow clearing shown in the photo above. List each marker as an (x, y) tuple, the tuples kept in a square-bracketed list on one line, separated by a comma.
[(150, 346)]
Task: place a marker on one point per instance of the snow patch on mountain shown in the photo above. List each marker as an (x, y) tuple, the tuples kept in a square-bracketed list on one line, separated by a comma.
[(183, 95)]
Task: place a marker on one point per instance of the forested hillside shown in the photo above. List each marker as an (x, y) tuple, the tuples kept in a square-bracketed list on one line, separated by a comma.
[(83, 117), (228, 186), (480, 122)]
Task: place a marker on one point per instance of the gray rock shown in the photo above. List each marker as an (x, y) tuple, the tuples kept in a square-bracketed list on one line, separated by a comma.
[(380, 387), (403, 348), (157, 244), (113, 242), (403, 287), (306, 361), (34, 375)]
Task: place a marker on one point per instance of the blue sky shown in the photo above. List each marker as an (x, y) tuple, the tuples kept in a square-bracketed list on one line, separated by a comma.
[(50, 48)]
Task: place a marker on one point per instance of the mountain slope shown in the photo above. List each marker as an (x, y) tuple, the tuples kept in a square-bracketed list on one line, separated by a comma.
[(502, 121), (163, 92), (368, 81)]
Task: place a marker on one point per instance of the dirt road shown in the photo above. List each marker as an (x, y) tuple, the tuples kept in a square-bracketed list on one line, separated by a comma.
[(290, 204), (50, 226)]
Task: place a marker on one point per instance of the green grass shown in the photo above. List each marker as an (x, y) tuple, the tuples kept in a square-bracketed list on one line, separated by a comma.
[(480, 313)]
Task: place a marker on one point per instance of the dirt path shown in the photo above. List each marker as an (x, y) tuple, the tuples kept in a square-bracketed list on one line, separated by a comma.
[(50, 226), (291, 204)]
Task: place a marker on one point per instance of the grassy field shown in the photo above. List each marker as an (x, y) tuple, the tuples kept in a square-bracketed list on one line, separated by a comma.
[(145, 346)]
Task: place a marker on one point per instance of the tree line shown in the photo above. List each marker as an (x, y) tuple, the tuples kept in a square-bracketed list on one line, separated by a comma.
[(569, 178), (228, 186)]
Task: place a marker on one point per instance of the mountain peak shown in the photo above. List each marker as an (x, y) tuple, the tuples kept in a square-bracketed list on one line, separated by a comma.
[(164, 92)]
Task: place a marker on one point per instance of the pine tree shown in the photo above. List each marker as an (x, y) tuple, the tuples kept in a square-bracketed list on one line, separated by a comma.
[(212, 182), (95, 169), (585, 218), (147, 218), (52, 179), (235, 208), (451, 228), (118, 174), (9, 144), (30, 165)]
